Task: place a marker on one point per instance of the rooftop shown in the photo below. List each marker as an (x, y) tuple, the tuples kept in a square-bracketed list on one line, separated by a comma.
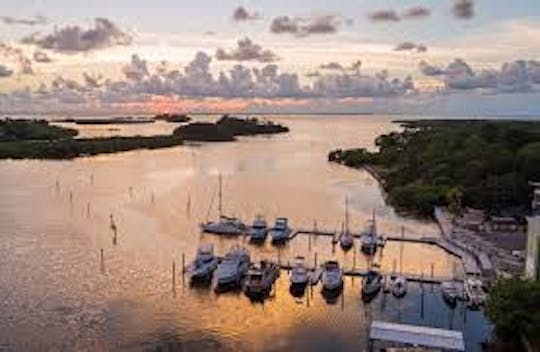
[(417, 335)]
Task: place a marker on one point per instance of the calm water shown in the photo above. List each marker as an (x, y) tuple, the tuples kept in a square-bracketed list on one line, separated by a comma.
[(55, 218)]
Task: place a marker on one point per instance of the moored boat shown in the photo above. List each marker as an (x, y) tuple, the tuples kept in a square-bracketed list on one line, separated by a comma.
[(299, 276), (450, 293), (204, 264), (332, 276), (346, 239), (399, 286), (475, 293), (369, 240), (281, 231), (258, 230), (260, 278), (233, 267), (225, 225), (371, 285)]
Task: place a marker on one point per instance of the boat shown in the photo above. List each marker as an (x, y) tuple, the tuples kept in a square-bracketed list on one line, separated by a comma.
[(346, 239), (369, 241), (233, 267), (204, 264), (474, 290), (332, 276), (450, 292), (260, 278), (258, 230), (281, 231), (399, 286), (225, 225), (371, 285), (387, 284), (299, 276)]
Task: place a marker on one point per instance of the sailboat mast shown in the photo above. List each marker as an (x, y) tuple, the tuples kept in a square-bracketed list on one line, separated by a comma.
[(347, 213), (220, 198), (401, 250)]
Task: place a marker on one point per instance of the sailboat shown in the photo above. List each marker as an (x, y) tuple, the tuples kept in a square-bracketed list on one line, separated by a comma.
[(369, 238), (225, 225), (346, 239), (399, 286)]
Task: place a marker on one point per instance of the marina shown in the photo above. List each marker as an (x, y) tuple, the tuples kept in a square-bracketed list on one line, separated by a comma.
[(116, 227)]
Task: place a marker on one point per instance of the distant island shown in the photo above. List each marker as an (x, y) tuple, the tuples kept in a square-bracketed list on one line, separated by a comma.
[(477, 163), (172, 118), (227, 128), (123, 120), (38, 139)]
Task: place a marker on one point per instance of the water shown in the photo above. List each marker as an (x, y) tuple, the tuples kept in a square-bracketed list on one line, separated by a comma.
[(56, 293)]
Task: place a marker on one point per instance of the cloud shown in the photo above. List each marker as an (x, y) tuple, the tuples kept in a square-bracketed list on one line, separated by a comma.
[(35, 21), (284, 24), (5, 72), (246, 50), (313, 74), (332, 66), (417, 12), (92, 81), (518, 76), (73, 39), (24, 63), (408, 46), (384, 16), (463, 9), (322, 24), (242, 14), (42, 57), (137, 69)]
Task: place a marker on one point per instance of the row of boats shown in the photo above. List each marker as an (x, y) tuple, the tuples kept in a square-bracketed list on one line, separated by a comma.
[(258, 231), (236, 270)]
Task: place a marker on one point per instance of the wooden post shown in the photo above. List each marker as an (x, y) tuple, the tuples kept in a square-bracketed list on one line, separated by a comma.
[(102, 263), (174, 276), (315, 260), (183, 270), (422, 296), (354, 259)]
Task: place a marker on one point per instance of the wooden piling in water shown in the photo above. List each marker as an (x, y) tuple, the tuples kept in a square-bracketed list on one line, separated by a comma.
[(102, 263), (315, 260), (174, 276)]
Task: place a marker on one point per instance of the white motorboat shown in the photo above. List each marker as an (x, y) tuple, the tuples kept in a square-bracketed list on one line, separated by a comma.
[(281, 231), (225, 225), (205, 263), (332, 276), (476, 296), (233, 267), (299, 276), (261, 278), (258, 230), (399, 286)]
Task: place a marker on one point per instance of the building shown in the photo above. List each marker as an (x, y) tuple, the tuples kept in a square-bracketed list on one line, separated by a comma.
[(532, 260)]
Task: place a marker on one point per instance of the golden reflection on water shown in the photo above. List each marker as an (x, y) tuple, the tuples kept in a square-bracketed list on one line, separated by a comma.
[(58, 293)]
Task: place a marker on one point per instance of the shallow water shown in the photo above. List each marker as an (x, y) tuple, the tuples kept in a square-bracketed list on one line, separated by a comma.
[(56, 293)]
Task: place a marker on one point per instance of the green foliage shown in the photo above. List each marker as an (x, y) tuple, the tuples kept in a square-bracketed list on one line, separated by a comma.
[(226, 129), (514, 306), (13, 130), (71, 148), (489, 162)]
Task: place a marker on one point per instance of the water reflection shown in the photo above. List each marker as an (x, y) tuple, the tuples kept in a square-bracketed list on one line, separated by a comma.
[(72, 282)]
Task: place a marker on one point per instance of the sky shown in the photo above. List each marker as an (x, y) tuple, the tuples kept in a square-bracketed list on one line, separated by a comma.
[(427, 57)]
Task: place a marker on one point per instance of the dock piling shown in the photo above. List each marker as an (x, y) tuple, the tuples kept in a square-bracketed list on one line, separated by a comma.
[(174, 277), (102, 262)]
